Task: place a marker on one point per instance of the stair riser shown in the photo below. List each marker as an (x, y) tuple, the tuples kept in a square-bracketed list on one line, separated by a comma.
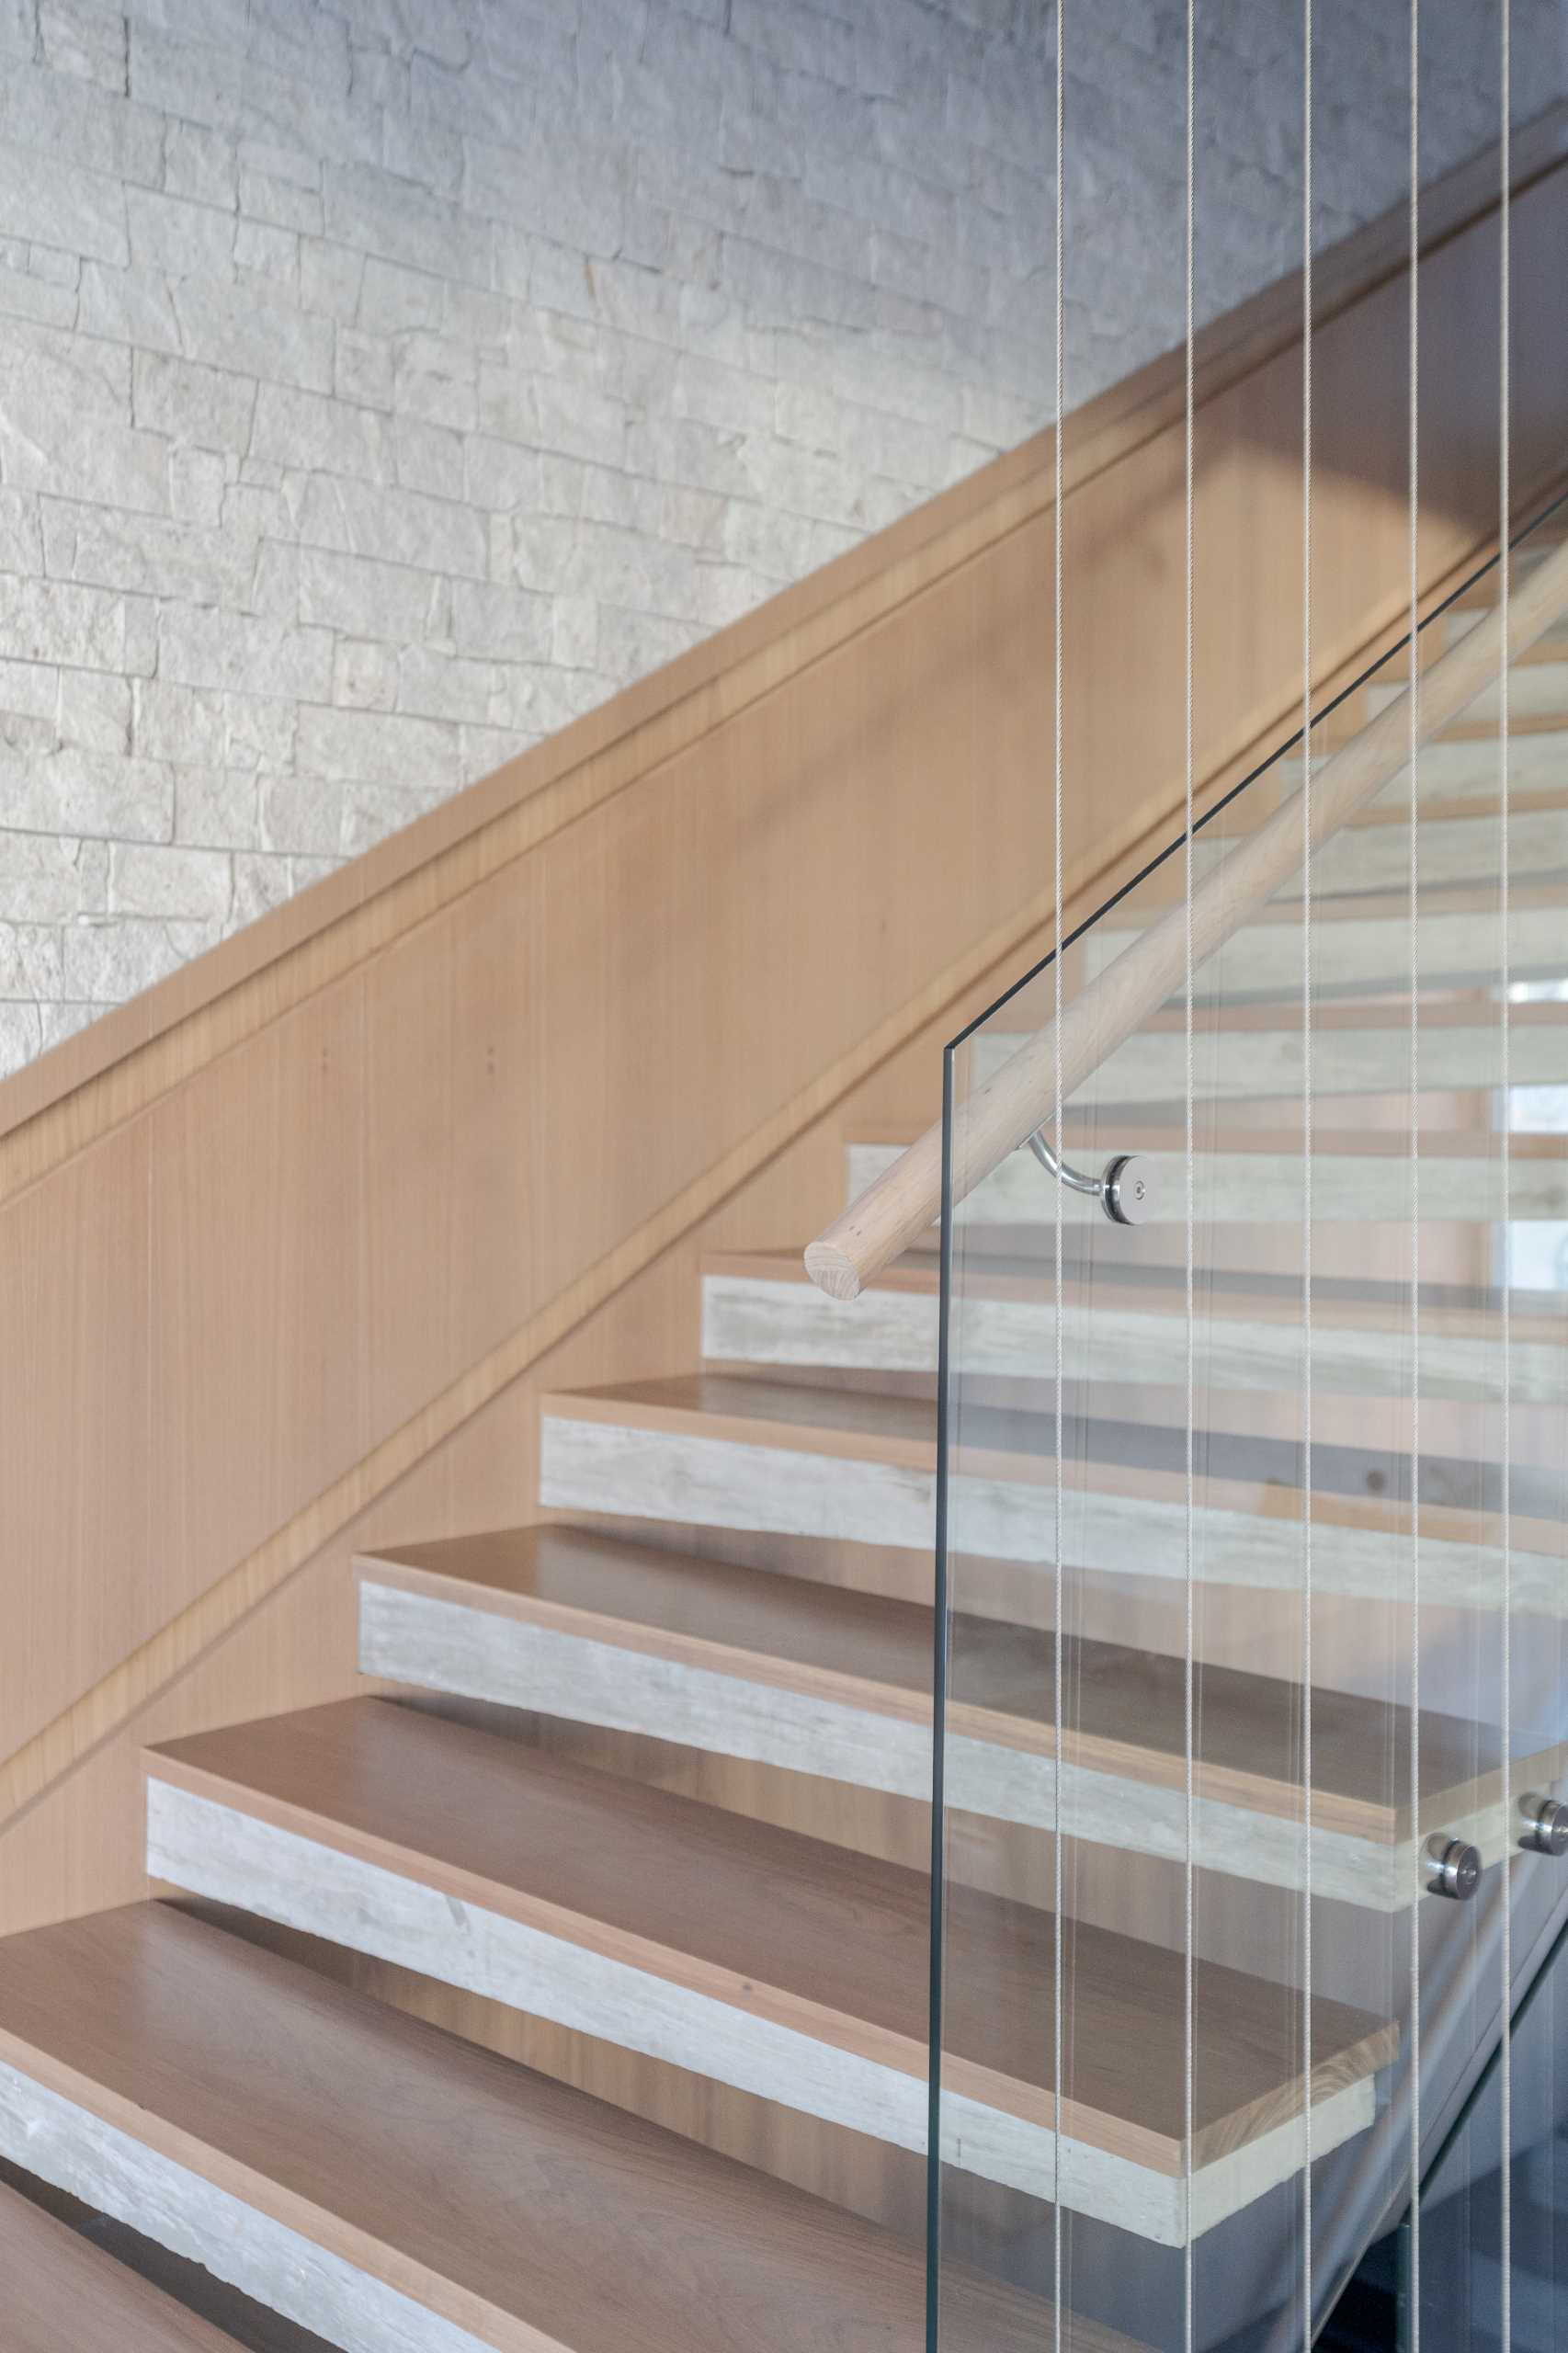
[(714, 1483), (1452, 850), (1366, 952), (1258, 1187), (1457, 769), (752, 1321), (1536, 690), (472, 1653), (1240, 1066), (77, 2150), (476, 1655), (222, 1854)]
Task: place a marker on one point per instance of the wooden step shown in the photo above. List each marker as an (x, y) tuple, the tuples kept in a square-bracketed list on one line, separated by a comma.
[(1252, 1052), (716, 1452), (786, 1672), (1453, 768), (61, 2295), (1454, 851), (762, 1308), (1363, 945), (793, 1968), (392, 2187), (1245, 1175), (1538, 697)]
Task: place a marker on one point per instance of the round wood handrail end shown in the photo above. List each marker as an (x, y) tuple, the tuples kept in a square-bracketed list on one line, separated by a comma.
[(831, 1271)]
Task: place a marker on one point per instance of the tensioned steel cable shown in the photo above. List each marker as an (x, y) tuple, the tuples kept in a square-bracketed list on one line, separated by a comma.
[(1307, 1173), (1415, 1177), (1504, 500), (1415, 910), (1189, 1713), (1058, 568)]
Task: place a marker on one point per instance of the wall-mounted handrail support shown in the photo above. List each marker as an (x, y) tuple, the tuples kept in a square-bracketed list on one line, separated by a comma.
[(1125, 1189)]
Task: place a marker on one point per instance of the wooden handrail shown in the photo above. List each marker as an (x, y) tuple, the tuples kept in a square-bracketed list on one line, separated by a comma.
[(1003, 1113)]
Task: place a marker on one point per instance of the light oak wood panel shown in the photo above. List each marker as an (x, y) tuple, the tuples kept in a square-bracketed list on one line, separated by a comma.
[(59, 2292), (517, 2212)]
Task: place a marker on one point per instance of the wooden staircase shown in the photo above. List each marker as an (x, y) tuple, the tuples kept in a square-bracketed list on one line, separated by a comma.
[(736, 1561)]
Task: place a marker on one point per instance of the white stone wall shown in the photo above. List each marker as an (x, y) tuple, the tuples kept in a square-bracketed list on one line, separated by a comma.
[(383, 383)]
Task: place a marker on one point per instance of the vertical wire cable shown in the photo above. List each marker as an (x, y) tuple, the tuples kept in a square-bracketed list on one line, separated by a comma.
[(1504, 489), (1058, 570), (1189, 1693), (1307, 1172), (1415, 909)]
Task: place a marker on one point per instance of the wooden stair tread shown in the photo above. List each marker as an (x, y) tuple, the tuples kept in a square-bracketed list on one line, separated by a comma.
[(1126, 1709), (1328, 1143), (704, 1610), (998, 1443), (810, 1935), (512, 2205), (1030, 1281), (61, 2295)]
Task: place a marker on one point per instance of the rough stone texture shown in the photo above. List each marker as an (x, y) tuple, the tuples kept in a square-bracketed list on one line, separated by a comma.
[(385, 383)]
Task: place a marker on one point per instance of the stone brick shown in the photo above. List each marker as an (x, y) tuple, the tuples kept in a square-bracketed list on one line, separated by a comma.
[(295, 428), (234, 327), (146, 555), (28, 293), (378, 748), (181, 723), (217, 809), (50, 620), (364, 676), (190, 885), (201, 164), (211, 648), (80, 127), (49, 878), (173, 238), (302, 812), (382, 214), (260, 884), (397, 527), (500, 624), (263, 251), (82, 210), (95, 710), (367, 599), (124, 306), (74, 793), (207, 408), (363, 372), (30, 691), (444, 685), (560, 188)]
